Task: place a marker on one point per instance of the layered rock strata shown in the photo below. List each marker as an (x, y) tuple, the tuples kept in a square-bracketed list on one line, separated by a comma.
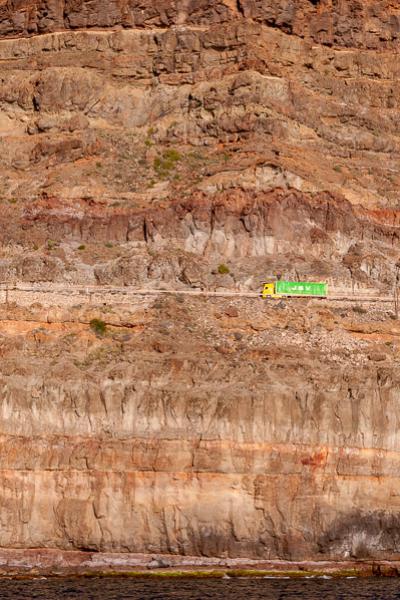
[(201, 428), (220, 97), (200, 145)]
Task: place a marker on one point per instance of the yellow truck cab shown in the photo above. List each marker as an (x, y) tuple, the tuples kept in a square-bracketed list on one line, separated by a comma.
[(268, 291)]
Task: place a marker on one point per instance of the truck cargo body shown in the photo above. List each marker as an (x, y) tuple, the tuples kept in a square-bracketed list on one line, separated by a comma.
[(301, 288)]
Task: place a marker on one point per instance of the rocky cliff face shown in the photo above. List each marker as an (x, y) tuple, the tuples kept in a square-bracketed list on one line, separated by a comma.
[(201, 428), (201, 144), (128, 106)]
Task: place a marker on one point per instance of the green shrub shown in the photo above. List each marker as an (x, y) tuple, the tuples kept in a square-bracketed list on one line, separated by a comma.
[(164, 164), (172, 155), (82, 247), (223, 269), (98, 326)]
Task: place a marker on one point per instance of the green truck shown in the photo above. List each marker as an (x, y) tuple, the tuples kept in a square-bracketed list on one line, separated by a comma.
[(281, 289)]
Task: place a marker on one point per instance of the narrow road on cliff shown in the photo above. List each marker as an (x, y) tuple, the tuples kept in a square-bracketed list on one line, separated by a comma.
[(28, 293)]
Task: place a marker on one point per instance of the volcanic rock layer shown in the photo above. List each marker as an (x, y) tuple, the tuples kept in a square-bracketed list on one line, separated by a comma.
[(199, 145)]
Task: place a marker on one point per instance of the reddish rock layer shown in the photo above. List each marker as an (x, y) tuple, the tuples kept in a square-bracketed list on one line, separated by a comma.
[(369, 24)]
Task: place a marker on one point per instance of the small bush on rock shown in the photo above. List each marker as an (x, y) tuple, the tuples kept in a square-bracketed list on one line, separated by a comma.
[(223, 269), (164, 164), (98, 326)]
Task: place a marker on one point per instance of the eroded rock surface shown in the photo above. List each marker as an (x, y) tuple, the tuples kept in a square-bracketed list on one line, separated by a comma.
[(198, 427), (204, 144)]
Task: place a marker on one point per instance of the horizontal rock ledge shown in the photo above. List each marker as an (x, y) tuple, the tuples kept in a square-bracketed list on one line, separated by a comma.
[(53, 562)]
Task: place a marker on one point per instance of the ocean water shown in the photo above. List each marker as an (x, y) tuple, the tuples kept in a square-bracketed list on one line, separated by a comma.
[(200, 589)]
